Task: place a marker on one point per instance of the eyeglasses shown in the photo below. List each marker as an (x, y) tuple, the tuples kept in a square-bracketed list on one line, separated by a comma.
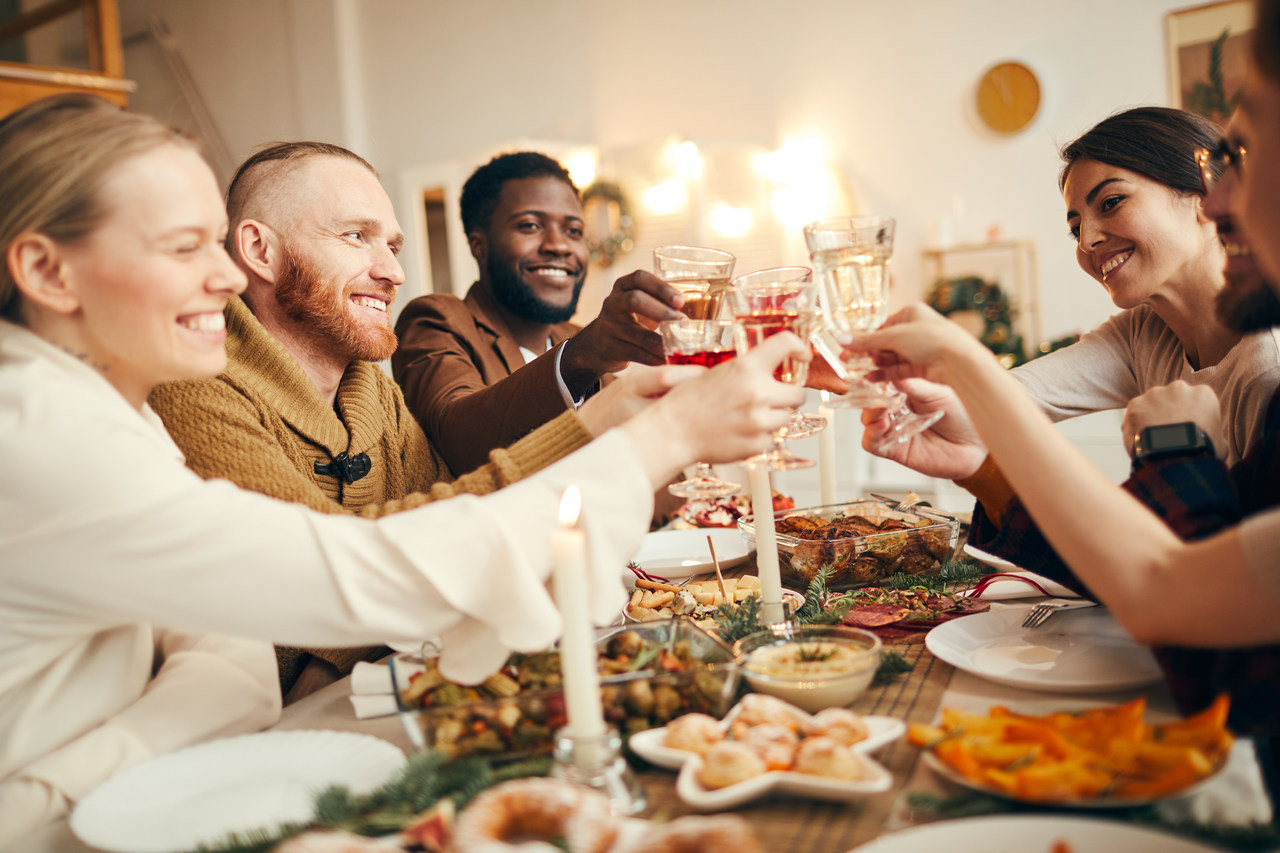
[(1214, 161)]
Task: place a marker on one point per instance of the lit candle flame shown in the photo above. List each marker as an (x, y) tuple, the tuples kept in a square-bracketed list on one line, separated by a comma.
[(570, 506), (826, 396)]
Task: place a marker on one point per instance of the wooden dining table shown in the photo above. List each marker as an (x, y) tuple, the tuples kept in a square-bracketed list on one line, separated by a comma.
[(791, 823), (797, 824)]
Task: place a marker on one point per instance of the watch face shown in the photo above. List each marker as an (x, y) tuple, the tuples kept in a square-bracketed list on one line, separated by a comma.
[(1170, 437)]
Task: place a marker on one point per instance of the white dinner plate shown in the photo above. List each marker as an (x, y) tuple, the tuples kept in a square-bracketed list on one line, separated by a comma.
[(1079, 651), (998, 563), (1031, 834), (679, 554), (201, 794), (937, 765)]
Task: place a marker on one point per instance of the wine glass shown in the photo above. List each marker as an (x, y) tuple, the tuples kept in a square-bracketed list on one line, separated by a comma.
[(701, 275), (851, 255), (802, 425), (764, 304), (706, 343)]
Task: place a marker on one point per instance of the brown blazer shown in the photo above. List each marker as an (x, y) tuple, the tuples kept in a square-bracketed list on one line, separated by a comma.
[(465, 380)]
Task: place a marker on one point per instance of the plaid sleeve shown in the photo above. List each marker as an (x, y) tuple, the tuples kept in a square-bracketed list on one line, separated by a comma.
[(1194, 495)]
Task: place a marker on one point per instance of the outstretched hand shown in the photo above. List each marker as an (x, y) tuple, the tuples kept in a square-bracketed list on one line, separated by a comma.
[(916, 343), (724, 414), (617, 335), (950, 449)]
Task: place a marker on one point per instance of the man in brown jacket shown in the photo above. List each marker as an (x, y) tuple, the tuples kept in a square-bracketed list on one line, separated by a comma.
[(303, 411), (481, 372)]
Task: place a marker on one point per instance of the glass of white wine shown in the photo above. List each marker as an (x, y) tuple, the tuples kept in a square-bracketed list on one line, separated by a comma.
[(701, 275), (850, 256), (765, 303)]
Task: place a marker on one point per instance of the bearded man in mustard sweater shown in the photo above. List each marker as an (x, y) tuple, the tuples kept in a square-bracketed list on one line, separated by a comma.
[(303, 412)]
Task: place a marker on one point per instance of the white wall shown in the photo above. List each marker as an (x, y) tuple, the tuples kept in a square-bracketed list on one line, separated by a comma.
[(432, 87)]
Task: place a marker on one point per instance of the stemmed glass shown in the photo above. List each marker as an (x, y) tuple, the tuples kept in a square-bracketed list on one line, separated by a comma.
[(764, 304), (850, 255), (706, 343), (802, 424), (701, 275)]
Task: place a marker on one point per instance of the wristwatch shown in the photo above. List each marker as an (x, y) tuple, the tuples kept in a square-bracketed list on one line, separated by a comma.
[(1154, 442)]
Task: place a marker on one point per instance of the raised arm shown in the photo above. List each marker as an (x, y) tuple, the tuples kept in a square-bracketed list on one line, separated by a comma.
[(1114, 544)]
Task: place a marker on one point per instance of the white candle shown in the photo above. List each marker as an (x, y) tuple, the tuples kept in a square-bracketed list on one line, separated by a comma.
[(827, 453), (771, 611), (577, 645)]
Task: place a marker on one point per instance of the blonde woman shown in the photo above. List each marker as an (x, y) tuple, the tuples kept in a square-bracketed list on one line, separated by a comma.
[(123, 570)]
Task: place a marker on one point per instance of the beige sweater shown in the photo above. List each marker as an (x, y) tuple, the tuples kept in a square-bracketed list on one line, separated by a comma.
[(263, 425)]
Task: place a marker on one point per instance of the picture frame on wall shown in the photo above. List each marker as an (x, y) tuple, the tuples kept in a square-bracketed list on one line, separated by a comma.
[(1208, 48)]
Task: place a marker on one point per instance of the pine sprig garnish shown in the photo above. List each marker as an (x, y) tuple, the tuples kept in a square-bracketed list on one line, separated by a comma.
[(733, 622), (952, 575), (892, 664), (425, 780)]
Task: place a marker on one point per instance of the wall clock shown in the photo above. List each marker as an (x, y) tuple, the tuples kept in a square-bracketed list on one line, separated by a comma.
[(1007, 97)]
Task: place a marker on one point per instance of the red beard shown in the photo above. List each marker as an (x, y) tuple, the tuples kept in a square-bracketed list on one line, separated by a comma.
[(307, 299)]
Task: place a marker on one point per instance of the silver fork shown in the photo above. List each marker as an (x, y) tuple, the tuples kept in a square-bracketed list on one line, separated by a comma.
[(1039, 614)]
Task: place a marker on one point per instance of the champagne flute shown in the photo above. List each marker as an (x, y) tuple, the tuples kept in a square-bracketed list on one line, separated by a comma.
[(764, 304), (851, 255), (701, 275), (706, 343)]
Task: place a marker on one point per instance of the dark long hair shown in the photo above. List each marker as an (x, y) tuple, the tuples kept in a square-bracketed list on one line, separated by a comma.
[(1156, 142)]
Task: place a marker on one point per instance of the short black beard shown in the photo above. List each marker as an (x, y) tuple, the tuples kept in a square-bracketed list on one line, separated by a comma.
[(1255, 308), (516, 297)]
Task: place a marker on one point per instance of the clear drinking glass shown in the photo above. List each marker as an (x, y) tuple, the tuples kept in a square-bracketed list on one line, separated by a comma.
[(706, 343), (850, 257), (765, 303), (701, 275)]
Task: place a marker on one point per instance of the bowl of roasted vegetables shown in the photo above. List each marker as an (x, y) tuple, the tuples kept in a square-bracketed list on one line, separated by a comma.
[(863, 541), (649, 674)]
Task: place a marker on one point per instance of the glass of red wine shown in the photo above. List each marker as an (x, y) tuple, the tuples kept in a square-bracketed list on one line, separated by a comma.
[(765, 303), (705, 343)]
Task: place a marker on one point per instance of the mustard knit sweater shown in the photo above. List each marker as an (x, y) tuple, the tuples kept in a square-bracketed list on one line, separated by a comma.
[(263, 425)]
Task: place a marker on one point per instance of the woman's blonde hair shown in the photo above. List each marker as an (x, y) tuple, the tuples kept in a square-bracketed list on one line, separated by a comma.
[(54, 156)]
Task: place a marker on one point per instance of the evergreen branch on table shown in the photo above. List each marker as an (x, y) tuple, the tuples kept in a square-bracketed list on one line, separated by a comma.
[(892, 664), (733, 622), (423, 782), (952, 576)]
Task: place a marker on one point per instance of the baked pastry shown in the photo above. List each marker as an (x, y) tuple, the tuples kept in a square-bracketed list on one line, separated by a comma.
[(693, 733), (536, 809), (759, 708), (822, 756), (774, 743), (839, 724), (728, 763)]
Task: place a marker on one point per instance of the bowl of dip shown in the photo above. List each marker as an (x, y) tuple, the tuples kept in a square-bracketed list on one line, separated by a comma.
[(810, 666)]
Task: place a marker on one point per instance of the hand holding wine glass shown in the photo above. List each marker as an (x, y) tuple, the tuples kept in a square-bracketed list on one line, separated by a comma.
[(851, 257), (701, 275), (706, 343), (764, 304)]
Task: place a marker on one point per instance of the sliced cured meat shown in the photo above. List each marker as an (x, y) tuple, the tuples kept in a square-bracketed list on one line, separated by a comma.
[(876, 615)]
